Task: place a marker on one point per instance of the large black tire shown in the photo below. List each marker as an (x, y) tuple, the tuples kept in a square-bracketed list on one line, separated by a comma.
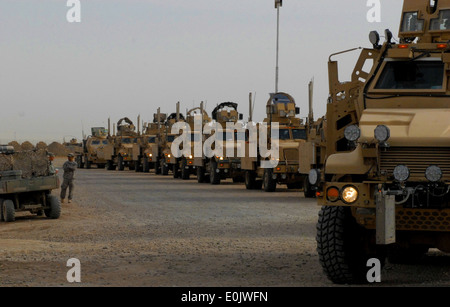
[(344, 246), (146, 165), (269, 184), (185, 174), (79, 162), (121, 165), (55, 207), (164, 168), (110, 165), (250, 180), (308, 189), (9, 211), (176, 170), (87, 163), (201, 177), (214, 177)]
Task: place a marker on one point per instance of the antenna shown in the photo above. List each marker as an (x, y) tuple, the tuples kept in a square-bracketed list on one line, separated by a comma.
[(311, 92)]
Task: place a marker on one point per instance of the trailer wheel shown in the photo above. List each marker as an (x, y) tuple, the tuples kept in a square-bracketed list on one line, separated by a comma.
[(269, 184), (214, 176), (145, 165), (121, 166), (184, 172), (55, 207), (250, 180), (200, 174), (344, 246), (9, 211), (175, 170)]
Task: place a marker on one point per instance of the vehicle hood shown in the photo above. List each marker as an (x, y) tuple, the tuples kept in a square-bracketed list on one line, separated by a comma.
[(408, 127)]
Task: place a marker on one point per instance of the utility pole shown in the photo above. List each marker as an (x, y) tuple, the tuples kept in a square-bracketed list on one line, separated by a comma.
[(278, 4)]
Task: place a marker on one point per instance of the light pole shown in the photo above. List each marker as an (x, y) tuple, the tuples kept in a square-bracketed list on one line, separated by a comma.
[(278, 4)]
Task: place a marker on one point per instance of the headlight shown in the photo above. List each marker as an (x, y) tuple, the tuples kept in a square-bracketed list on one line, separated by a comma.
[(349, 194), (382, 133), (352, 133), (333, 194), (401, 173), (168, 155), (314, 176), (190, 157), (150, 155), (221, 158), (433, 173)]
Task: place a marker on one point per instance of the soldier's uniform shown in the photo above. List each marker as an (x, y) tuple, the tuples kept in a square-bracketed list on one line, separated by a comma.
[(69, 168)]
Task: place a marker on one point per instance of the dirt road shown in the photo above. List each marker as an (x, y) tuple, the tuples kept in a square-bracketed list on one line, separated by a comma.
[(135, 229)]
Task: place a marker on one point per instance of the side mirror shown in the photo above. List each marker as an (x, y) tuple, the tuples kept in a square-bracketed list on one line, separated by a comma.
[(297, 110)]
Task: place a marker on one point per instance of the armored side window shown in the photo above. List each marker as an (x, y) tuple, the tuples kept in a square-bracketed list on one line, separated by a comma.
[(170, 138), (105, 142), (152, 139), (442, 22), (411, 23)]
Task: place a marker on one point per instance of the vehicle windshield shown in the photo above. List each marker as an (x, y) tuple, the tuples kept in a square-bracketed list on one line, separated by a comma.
[(151, 139), (129, 140), (170, 138), (284, 134), (299, 134), (411, 23), (412, 75), (96, 142), (105, 142), (442, 22)]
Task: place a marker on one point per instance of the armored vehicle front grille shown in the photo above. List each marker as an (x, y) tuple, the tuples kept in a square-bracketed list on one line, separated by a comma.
[(290, 155), (417, 159)]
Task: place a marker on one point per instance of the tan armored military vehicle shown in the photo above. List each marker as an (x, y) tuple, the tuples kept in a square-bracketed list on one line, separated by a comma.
[(224, 166), (123, 146), (190, 164), (168, 160), (385, 186), (148, 143), (281, 109), (92, 150)]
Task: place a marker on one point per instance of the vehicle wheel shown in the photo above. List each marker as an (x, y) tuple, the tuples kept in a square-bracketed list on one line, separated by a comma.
[(200, 174), (403, 255), (214, 176), (184, 172), (79, 162), (121, 165), (9, 211), (175, 170), (55, 207), (269, 184), (146, 165), (344, 246), (307, 189), (250, 180), (131, 166), (87, 164), (158, 167), (110, 165), (164, 168)]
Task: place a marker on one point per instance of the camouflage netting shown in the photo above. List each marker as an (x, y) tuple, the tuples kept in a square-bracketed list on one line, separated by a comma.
[(58, 149), (32, 163), (41, 145), (16, 146), (27, 146)]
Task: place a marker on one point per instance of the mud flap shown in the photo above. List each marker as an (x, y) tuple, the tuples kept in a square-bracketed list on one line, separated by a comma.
[(385, 218)]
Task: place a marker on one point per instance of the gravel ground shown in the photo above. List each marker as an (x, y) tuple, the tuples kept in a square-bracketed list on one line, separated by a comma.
[(135, 229)]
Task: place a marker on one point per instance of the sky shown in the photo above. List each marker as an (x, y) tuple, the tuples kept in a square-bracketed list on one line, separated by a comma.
[(129, 57)]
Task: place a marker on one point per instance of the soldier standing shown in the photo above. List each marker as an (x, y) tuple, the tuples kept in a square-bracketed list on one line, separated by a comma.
[(69, 168)]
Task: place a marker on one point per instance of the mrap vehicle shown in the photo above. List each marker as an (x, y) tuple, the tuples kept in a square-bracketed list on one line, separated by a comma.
[(385, 185)]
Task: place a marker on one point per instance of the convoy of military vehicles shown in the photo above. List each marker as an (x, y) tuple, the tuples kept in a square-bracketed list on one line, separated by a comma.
[(378, 161)]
